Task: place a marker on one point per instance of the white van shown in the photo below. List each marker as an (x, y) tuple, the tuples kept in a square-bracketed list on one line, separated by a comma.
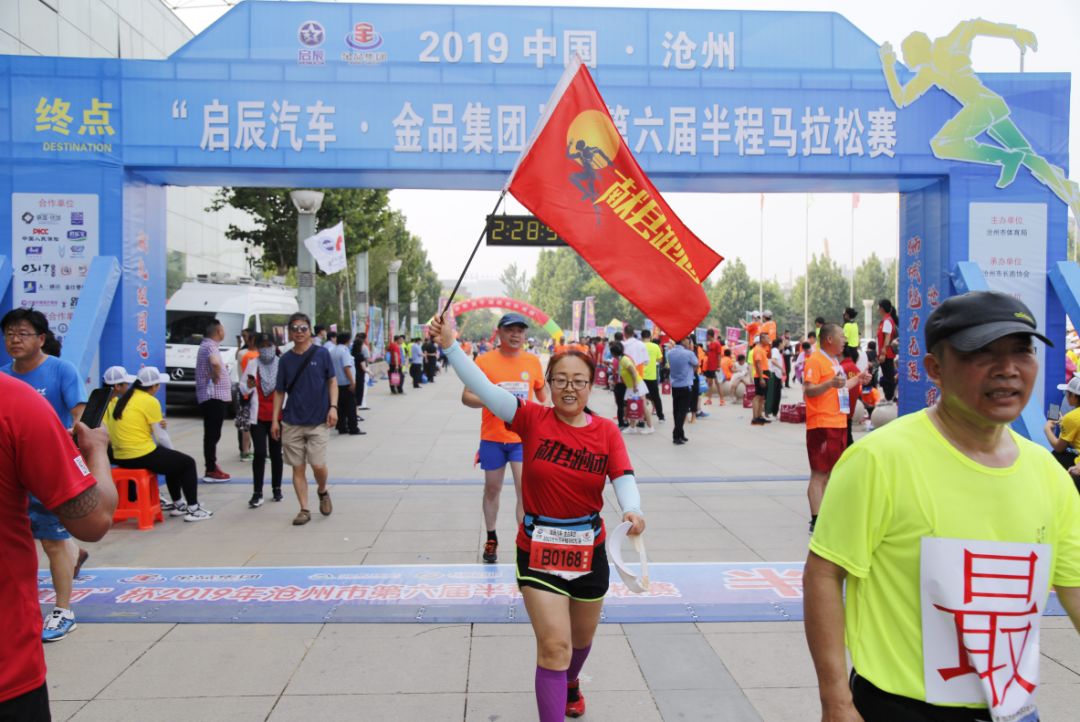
[(238, 303)]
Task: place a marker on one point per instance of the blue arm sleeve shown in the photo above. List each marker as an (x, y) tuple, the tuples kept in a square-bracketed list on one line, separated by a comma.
[(498, 400), (626, 492)]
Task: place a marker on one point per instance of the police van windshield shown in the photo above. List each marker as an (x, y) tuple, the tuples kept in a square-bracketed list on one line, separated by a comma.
[(189, 327)]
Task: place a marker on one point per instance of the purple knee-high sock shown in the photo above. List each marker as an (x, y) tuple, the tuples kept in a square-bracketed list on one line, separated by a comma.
[(577, 661), (551, 694)]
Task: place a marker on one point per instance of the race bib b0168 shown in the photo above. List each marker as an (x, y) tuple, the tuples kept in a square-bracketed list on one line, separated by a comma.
[(565, 553)]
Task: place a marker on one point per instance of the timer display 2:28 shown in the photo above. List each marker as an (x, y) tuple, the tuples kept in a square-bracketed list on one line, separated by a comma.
[(520, 231)]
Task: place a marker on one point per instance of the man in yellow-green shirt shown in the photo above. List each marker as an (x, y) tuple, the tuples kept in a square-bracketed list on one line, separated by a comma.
[(969, 533), (649, 373)]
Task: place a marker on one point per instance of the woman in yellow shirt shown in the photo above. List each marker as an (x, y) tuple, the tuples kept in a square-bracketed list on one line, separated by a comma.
[(131, 419)]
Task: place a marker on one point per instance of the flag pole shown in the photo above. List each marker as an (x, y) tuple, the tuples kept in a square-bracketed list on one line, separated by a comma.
[(450, 298), (349, 294), (851, 302), (761, 253), (806, 276)]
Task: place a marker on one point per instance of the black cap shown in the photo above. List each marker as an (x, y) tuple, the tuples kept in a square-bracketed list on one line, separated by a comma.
[(976, 319), (513, 319)]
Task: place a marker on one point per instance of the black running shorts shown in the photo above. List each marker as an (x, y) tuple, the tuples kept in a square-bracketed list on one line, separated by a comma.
[(590, 588)]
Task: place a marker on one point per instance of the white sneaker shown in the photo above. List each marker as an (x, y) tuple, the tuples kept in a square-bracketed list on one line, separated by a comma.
[(198, 513), (58, 624), (647, 430), (179, 508)]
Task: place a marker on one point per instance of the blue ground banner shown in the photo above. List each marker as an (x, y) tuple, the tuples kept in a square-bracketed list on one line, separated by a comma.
[(466, 593)]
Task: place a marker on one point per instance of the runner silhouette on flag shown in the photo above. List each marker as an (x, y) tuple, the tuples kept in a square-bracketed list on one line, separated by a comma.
[(946, 63), (585, 179)]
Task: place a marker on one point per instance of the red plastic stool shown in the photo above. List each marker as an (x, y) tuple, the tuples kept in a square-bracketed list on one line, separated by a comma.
[(146, 508)]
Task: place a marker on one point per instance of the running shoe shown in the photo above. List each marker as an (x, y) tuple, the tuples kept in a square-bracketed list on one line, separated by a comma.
[(58, 625), (179, 508), (490, 546), (647, 430), (277, 494), (255, 501), (703, 414), (217, 476), (197, 512), (575, 700), (758, 421), (167, 505)]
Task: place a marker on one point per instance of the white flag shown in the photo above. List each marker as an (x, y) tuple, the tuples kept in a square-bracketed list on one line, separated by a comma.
[(328, 248)]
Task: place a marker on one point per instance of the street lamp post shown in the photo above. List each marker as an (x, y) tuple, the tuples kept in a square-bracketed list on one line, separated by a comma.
[(361, 290), (414, 312), (307, 205), (393, 269), (867, 304)]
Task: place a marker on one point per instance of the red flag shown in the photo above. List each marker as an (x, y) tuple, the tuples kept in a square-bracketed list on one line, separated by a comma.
[(579, 177)]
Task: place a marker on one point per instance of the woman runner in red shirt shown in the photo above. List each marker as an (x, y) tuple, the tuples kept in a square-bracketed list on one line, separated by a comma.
[(562, 566)]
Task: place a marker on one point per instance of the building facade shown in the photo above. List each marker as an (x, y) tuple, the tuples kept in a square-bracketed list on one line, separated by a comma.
[(137, 29)]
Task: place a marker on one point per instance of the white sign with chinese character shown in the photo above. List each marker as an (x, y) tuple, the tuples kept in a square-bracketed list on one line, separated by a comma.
[(1008, 241), (982, 602), (53, 238)]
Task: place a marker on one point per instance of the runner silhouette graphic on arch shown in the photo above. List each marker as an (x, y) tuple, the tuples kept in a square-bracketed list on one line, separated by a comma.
[(946, 63)]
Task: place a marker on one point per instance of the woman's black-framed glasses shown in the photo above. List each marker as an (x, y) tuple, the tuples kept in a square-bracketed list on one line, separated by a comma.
[(561, 383)]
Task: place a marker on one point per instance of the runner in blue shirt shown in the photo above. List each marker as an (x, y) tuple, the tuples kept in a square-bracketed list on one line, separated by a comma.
[(25, 333)]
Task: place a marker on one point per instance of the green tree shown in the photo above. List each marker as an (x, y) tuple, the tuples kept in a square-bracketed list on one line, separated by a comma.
[(828, 292), (370, 225), (559, 280), (175, 272), (563, 277), (515, 282), (733, 294), (479, 324), (872, 281)]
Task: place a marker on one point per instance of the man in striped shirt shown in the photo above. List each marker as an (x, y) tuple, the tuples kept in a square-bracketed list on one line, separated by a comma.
[(213, 392)]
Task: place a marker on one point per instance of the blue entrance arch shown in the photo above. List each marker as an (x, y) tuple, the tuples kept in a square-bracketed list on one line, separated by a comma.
[(310, 94)]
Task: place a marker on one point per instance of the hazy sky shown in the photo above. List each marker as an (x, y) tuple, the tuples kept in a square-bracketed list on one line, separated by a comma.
[(448, 222)]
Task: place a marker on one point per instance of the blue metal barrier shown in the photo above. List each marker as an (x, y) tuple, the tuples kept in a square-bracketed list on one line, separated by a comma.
[(81, 343)]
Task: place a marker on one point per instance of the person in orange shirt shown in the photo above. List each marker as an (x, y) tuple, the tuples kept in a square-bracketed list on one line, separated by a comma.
[(759, 365), (513, 368), (727, 369), (752, 329), (826, 389), (768, 326), (245, 354)]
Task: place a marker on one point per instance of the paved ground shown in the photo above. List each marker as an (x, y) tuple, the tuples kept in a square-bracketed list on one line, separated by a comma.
[(735, 493)]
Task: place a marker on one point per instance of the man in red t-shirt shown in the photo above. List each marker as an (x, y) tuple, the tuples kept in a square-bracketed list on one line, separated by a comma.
[(713, 351), (38, 457)]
